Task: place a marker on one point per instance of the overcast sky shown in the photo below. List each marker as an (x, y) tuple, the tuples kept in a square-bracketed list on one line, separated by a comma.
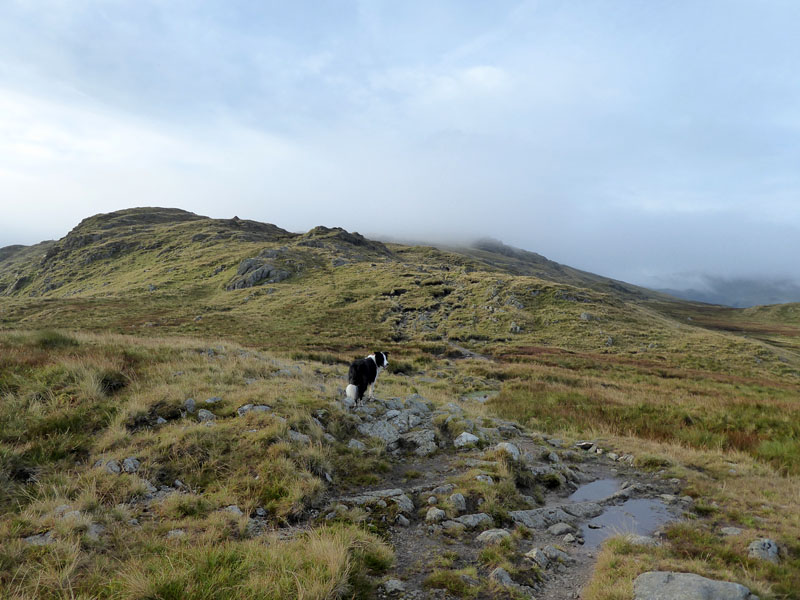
[(655, 142)]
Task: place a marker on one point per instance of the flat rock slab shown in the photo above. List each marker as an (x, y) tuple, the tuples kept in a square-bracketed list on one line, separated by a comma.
[(381, 430), (666, 585), (583, 510), (476, 520), (540, 518), (370, 497)]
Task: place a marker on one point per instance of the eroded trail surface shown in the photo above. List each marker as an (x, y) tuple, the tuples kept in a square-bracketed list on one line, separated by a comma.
[(483, 509)]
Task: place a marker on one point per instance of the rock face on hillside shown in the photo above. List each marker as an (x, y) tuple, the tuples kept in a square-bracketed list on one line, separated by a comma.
[(255, 271)]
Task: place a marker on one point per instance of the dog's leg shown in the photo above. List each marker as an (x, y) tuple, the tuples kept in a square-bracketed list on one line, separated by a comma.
[(372, 391)]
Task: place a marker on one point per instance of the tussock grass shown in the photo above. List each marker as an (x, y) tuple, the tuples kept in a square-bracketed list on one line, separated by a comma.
[(59, 415)]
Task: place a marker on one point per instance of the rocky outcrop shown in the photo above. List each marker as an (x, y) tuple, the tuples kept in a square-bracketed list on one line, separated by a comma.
[(255, 271)]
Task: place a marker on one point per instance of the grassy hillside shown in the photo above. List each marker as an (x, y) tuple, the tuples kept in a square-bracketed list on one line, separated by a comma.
[(105, 333)]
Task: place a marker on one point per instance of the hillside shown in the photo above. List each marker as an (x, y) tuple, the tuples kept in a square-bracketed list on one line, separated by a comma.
[(108, 333)]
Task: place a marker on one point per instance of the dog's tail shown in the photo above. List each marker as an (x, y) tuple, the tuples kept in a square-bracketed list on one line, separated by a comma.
[(352, 392)]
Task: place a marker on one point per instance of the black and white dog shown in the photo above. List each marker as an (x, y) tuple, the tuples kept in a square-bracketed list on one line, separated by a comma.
[(363, 373)]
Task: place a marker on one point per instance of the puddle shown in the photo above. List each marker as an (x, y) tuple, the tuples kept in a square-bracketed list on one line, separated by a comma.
[(641, 516), (597, 490)]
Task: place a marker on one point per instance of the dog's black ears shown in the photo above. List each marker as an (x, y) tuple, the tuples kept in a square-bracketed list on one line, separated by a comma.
[(382, 357)]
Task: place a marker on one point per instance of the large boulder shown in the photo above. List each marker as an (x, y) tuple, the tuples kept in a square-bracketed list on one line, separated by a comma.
[(666, 585)]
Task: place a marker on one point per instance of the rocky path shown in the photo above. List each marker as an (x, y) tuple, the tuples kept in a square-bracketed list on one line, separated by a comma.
[(496, 511)]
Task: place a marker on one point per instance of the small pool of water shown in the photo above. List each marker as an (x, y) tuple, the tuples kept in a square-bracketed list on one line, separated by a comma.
[(640, 516), (597, 490)]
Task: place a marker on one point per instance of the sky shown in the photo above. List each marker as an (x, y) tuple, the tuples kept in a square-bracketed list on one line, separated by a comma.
[(653, 142)]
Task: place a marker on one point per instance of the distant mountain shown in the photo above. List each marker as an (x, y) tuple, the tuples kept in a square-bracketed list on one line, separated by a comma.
[(740, 292)]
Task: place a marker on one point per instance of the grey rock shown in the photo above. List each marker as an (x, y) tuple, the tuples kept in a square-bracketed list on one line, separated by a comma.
[(416, 404), (476, 520), (553, 457), (72, 515), (393, 586), (189, 404), (95, 531), (666, 585), (582, 510), (465, 439), (555, 555), (731, 531), (356, 445), (435, 515), (443, 489), (213, 400), (329, 438), (540, 518), (454, 527), (175, 534), (402, 521), (422, 441), (59, 511), (556, 443), (160, 421), (296, 436), (458, 502), (585, 316), (255, 527), (537, 556), (501, 576), (371, 497), (247, 408), (560, 529), (205, 415), (569, 538), (131, 465), (765, 549), (485, 479), (404, 503), (41, 539), (493, 536), (234, 510), (113, 467), (509, 448), (382, 430)]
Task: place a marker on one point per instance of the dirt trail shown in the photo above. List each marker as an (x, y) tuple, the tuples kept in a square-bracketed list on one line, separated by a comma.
[(447, 545)]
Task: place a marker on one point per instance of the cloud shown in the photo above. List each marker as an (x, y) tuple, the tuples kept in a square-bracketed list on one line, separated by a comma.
[(635, 140)]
